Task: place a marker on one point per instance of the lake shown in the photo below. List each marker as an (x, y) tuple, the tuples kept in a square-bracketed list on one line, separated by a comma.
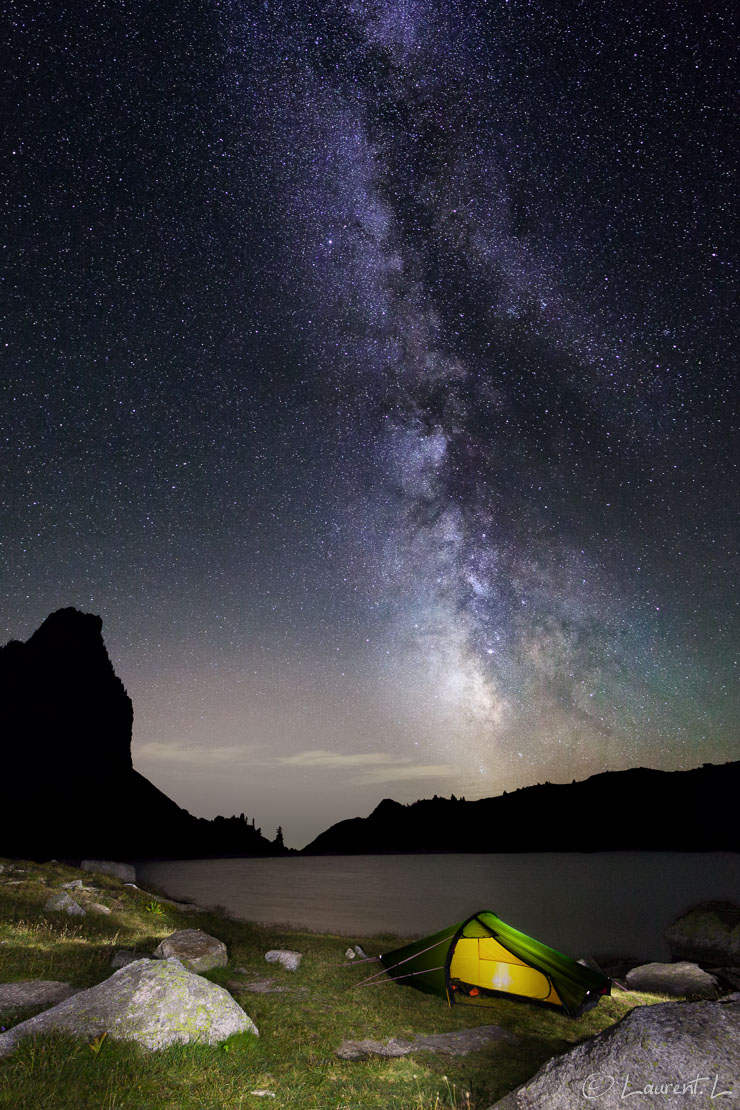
[(602, 904)]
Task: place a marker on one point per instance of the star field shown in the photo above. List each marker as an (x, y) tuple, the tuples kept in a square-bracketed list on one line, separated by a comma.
[(368, 367)]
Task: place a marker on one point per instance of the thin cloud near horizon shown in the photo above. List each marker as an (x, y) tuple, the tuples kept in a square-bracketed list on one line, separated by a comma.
[(374, 767), (371, 768)]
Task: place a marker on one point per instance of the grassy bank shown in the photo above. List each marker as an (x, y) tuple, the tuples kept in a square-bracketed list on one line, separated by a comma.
[(299, 1031)]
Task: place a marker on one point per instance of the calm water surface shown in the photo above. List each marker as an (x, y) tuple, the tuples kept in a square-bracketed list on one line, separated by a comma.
[(607, 903)]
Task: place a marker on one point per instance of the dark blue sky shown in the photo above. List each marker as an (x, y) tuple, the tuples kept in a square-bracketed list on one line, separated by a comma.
[(367, 367)]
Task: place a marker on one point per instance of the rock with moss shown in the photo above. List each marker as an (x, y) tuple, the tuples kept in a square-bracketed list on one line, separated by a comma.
[(461, 1042), (62, 903), (361, 1050), (35, 992), (198, 950), (155, 1003), (683, 979), (708, 934), (674, 1054), (288, 959)]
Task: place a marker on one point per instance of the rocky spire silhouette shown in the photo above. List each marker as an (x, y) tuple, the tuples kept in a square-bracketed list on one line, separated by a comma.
[(67, 716), (68, 787)]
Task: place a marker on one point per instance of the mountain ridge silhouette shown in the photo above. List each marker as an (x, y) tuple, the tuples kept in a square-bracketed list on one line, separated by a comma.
[(636, 809)]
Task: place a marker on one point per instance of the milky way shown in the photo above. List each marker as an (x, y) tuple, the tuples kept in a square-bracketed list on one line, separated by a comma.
[(369, 374)]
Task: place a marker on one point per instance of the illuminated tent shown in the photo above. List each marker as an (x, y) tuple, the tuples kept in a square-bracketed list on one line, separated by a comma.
[(484, 956)]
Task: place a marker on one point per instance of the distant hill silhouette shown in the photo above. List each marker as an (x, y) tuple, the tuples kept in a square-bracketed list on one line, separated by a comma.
[(617, 810), (67, 785)]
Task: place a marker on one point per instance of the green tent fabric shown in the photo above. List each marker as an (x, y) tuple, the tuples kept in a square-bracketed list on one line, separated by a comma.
[(484, 955)]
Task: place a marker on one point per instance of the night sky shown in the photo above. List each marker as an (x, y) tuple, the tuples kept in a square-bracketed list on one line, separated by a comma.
[(367, 366)]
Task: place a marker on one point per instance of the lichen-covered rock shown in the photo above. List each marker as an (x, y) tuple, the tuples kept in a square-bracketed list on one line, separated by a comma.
[(153, 1002), (257, 985), (197, 950), (680, 979), (709, 934), (76, 884), (62, 903), (656, 1055), (459, 1043), (360, 1050), (288, 959), (35, 992), (118, 870)]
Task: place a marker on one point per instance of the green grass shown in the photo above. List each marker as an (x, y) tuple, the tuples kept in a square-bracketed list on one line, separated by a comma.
[(299, 1031)]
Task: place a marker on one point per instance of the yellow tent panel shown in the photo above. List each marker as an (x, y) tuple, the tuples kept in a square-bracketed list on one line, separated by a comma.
[(486, 963)]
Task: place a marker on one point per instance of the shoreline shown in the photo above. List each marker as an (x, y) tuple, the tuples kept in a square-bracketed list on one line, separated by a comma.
[(582, 905)]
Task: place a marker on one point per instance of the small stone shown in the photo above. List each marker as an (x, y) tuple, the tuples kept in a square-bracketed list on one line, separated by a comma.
[(98, 907), (62, 903), (197, 950), (288, 959), (350, 954), (76, 884), (262, 1094)]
